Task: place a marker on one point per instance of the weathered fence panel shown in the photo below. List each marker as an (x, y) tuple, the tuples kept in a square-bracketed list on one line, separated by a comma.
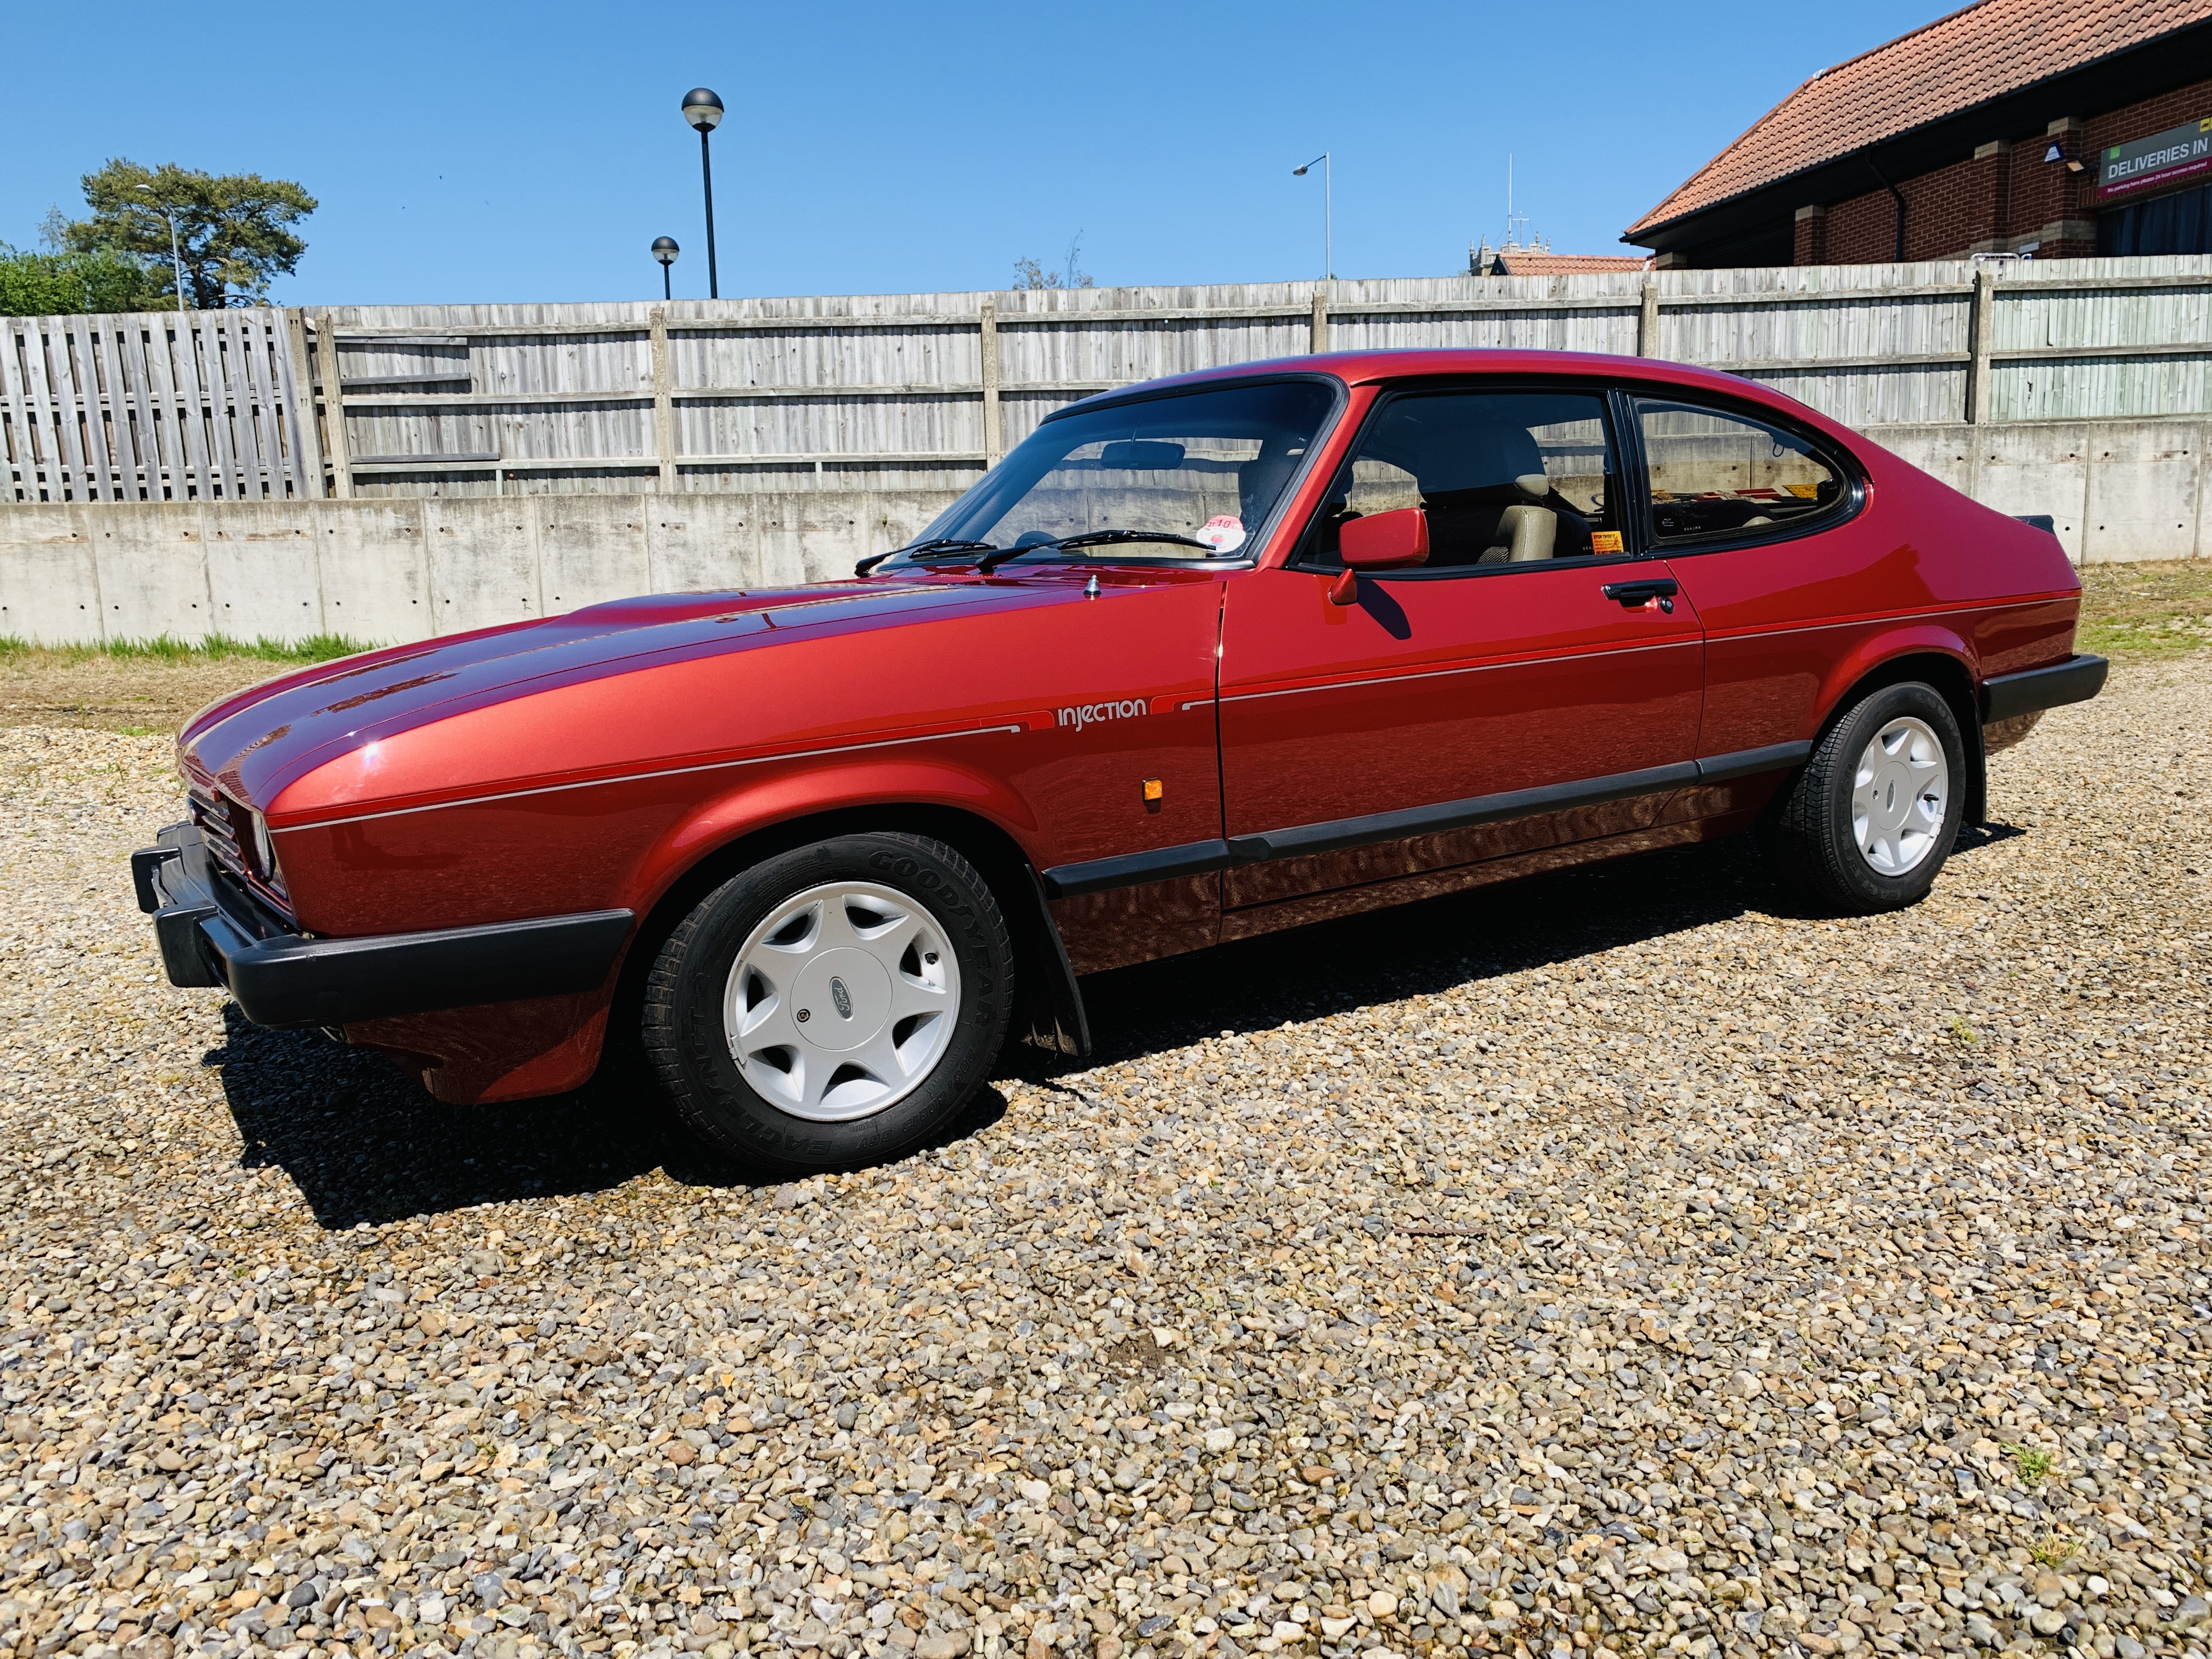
[(920, 392), (152, 406)]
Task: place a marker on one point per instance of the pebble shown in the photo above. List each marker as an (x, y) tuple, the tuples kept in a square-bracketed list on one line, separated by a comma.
[(1623, 1262)]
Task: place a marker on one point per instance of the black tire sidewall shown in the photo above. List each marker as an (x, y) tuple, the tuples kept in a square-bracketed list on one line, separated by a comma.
[(685, 1028), (1845, 743)]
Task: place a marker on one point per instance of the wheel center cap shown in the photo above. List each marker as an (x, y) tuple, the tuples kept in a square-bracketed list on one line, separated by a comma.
[(1893, 795), (846, 995)]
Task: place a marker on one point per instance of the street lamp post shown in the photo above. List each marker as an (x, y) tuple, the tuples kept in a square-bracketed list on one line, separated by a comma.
[(664, 250), (176, 259), (1328, 211), (703, 110)]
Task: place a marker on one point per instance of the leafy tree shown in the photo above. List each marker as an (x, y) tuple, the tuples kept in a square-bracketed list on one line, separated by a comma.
[(231, 229), (1028, 274), (55, 283)]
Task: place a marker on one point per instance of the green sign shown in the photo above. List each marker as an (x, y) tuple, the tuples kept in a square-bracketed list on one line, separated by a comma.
[(2176, 153)]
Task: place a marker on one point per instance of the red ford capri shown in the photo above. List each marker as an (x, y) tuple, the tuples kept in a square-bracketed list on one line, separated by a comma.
[(1201, 659)]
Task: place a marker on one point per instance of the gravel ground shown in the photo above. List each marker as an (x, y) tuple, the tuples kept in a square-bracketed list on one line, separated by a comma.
[(1618, 1261)]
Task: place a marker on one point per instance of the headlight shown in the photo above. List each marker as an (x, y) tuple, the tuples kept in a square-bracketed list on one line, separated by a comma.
[(265, 854)]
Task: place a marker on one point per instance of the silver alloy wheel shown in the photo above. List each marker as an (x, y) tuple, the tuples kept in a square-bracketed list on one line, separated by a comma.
[(1901, 793), (842, 1001)]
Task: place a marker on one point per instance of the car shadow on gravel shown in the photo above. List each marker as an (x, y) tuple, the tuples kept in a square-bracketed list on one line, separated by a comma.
[(1439, 944), (365, 1144)]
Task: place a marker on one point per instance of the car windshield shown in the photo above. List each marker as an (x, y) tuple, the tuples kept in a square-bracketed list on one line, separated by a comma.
[(1202, 470)]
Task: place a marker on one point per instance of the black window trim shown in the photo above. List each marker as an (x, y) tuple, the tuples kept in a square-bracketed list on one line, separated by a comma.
[(1845, 464), (1605, 393)]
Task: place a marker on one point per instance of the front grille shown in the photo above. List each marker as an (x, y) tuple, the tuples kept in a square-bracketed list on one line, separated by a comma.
[(224, 826)]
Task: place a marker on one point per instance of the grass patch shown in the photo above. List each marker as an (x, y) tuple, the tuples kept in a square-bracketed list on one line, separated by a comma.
[(217, 647), (2052, 1549), (2147, 610)]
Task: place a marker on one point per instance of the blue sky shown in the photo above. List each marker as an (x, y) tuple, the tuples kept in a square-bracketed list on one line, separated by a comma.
[(532, 152)]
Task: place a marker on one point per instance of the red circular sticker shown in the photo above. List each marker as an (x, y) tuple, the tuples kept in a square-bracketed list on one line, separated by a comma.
[(1222, 533)]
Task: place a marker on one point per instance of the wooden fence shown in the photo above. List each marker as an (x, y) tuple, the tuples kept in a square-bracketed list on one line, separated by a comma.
[(156, 406), (922, 391)]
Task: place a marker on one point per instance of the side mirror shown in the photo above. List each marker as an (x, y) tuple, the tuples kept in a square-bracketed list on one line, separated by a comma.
[(1383, 541)]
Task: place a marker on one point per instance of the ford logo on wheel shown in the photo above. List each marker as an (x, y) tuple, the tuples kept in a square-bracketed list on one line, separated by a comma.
[(843, 998)]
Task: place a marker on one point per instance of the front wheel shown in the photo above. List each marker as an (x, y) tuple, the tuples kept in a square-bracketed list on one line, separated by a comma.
[(832, 1007), (1866, 825)]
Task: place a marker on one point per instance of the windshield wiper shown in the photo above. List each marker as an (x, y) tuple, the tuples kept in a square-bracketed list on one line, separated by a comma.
[(937, 547), (945, 545), (1089, 538)]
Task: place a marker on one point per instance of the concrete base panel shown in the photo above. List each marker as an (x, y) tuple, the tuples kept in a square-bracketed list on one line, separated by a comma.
[(391, 570)]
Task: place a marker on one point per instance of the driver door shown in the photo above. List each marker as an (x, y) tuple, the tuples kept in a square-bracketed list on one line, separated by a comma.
[(1496, 700)]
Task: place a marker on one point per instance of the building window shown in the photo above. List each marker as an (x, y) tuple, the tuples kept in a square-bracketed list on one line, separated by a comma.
[(2179, 223)]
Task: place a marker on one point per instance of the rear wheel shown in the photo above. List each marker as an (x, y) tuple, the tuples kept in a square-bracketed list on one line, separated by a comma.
[(1866, 825), (834, 1006)]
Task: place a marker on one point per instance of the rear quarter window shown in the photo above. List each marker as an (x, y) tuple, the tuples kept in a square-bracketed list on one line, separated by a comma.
[(1715, 475)]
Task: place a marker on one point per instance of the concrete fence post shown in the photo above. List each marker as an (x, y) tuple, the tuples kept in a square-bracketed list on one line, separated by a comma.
[(327, 347), (1647, 321), (1980, 323), (994, 436), (1319, 336), (664, 401)]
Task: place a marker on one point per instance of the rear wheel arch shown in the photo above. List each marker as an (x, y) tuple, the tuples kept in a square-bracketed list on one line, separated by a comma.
[(1049, 998), (1951, 677)]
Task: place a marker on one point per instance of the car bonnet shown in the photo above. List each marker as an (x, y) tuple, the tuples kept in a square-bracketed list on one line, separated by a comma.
[(256, 745)]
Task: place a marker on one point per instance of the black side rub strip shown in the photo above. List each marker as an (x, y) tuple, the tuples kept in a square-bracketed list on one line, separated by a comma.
[(1199, 857), (2007, 696), (211, 933), (1339, 833), (1132, 869)]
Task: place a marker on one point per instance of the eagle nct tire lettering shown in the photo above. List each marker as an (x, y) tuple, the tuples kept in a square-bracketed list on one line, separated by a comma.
[(1201, 661)]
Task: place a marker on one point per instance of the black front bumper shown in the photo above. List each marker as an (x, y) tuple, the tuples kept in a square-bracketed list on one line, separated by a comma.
[(212, 932)]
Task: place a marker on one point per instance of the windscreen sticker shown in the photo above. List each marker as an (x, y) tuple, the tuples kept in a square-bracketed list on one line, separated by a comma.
[(1222, 533)]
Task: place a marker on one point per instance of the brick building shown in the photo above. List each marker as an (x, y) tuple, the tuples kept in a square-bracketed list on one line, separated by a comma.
[(2050, 128)]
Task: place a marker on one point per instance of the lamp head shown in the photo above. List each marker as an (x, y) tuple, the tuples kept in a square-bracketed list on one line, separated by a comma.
[(702, 109), (1300, 173), (665, 249)]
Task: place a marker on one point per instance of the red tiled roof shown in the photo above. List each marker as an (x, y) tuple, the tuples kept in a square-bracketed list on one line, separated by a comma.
[(1567, 264), (1977, 53)]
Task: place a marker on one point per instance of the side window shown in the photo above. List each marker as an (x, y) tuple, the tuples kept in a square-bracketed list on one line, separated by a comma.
[(1715, 475), (1506, 478)]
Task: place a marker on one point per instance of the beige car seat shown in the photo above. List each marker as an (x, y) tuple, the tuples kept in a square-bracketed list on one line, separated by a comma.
[(1525, 531)]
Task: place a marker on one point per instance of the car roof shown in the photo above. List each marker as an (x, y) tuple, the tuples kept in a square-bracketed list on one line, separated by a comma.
[(1366, 367)]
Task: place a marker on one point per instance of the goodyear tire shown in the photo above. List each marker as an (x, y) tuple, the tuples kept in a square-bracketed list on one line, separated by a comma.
[(833, 1006), (1868, 823)]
